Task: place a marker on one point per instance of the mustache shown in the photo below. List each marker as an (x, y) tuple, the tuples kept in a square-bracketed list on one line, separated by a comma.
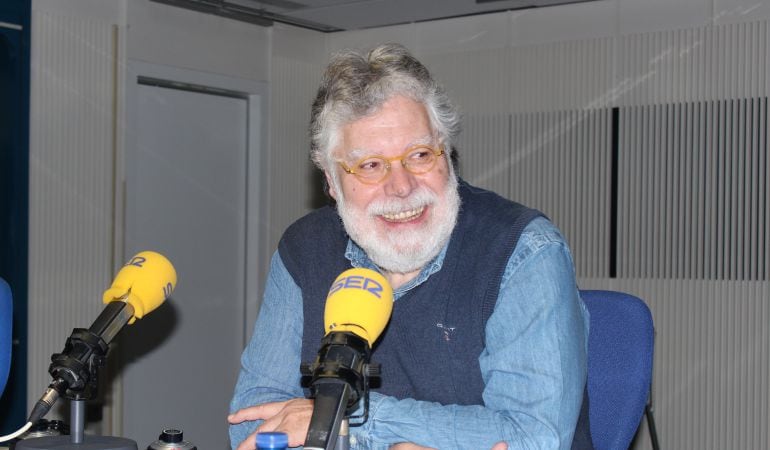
[(422, 196)]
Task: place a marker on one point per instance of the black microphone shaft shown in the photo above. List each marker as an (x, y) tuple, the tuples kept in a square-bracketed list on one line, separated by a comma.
[(331, 399), (111, 320)]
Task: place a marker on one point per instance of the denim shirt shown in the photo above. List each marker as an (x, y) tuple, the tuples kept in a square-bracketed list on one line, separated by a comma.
[(533, 364)]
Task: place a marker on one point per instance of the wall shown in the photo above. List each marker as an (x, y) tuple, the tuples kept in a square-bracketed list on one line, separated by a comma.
[(72, 154), (297, 61), (161, 34)]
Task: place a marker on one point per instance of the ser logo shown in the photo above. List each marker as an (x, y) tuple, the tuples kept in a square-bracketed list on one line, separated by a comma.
[(357, 282), (137, 261), (167, 290)]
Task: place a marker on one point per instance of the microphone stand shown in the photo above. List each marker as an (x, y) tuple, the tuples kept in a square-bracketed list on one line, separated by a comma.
[(343, 440), (77, 440), (338, 379), (75, 372)]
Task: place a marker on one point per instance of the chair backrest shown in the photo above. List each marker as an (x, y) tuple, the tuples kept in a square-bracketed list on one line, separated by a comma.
[(620, 346), (6, 320)]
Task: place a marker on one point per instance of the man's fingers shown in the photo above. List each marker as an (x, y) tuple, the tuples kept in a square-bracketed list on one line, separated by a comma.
[(500, 446), (292, 417), (259, 412)]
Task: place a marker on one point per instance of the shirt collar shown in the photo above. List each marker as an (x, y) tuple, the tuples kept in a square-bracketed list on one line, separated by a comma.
[(358, 258)]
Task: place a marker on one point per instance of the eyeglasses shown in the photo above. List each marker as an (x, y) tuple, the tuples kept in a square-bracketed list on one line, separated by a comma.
[(374, 169)]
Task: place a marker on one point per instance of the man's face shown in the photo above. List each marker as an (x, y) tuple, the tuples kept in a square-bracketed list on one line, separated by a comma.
[(403, 221)]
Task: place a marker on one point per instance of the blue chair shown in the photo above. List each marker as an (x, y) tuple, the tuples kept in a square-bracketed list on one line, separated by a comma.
[(620, 347), (6, 319)]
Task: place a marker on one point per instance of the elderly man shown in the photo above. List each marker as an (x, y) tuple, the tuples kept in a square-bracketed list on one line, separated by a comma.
[(487, 342)]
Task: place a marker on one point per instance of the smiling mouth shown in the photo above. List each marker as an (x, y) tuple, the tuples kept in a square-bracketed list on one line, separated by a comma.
[(404, 216)]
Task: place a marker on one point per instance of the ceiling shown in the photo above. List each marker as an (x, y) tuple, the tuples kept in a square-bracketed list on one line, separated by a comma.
[(339, 15)]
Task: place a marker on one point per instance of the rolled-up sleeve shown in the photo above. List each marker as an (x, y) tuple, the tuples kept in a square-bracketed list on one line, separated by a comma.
[(270, 363)]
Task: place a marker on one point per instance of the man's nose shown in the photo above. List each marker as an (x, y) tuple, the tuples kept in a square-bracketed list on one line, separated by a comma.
[(400, 182)]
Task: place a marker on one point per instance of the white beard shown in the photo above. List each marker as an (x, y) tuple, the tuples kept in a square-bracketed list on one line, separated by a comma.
[(408, 250)]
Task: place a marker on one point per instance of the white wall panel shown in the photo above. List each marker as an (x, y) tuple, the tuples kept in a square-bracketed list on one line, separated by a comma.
[(562, 75), (71, 181), (295, 183), (477, 81), (484, 152), (710, 62), (571, 22), (695, 153), (476, 33), (299, 44), (560, 164), (732, 11), (365, 39), (646, 16), (171, 36), (108, 10)]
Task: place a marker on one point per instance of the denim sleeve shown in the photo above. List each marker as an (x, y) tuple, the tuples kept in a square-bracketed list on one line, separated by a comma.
[(270, 363), (533, 365)]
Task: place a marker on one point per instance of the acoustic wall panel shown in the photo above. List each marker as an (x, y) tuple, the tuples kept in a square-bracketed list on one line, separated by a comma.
[(562, 167), (706, 63), (71, 181), (294, 82), (695, 204), (571, 75)]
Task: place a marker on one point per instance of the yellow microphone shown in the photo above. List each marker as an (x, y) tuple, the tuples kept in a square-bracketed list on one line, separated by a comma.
[(140, 286), (358, 308), (144, 282), (360, 301)]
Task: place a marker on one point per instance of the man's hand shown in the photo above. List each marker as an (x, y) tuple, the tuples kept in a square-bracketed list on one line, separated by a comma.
[(292, 417)]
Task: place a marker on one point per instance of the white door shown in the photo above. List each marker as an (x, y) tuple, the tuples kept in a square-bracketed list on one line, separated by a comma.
[(186, 186)]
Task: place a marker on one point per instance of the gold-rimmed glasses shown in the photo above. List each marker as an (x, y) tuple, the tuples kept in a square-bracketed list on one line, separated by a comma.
[(374, 169)]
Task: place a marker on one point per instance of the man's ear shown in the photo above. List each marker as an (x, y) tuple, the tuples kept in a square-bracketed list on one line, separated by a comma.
[(332, 191)]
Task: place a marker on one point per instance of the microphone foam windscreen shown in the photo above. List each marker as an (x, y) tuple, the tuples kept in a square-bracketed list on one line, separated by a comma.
[(147, 279), (360, 301)]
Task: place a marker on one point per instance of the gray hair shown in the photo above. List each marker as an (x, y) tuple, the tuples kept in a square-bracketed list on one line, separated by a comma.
[(356, 85)]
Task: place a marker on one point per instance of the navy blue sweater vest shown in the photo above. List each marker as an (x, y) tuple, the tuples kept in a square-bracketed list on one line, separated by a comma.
[(430, 348)]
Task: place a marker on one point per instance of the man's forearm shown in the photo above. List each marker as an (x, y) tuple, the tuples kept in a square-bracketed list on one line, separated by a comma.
[(444, 427)]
